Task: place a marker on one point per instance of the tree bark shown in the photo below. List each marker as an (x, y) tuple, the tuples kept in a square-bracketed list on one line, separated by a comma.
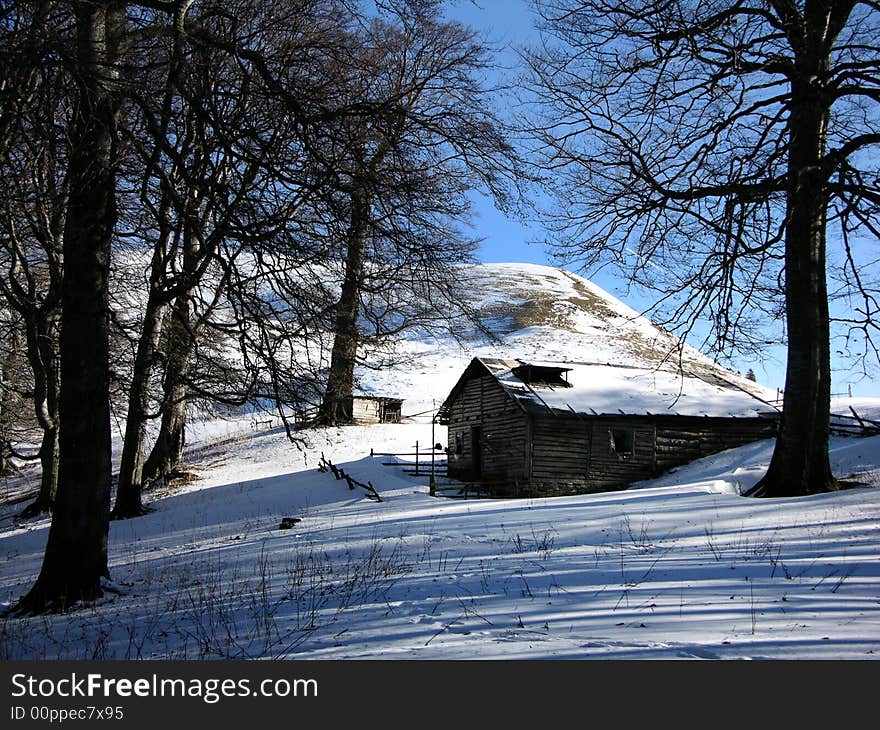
[(800, 464), (346, 334), (8, 403), (166, 453), (131, 469), (75, 559), (168, 449), (49, 477), (42, 335)]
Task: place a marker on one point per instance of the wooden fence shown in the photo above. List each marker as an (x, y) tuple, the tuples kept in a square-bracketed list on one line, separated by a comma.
[(854, 425), (326, 465)]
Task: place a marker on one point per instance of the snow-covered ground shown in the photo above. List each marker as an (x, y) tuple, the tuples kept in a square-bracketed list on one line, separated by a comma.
[(679, 567), (676, 567)]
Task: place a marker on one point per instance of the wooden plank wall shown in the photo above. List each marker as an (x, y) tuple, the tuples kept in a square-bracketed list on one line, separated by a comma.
[(613, 470), (483, 403), (364, 411), (572, 455), (560, 448), (559, 465), (685, 439)]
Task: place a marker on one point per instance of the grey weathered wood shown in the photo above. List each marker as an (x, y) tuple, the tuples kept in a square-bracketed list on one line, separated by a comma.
[(537, 451)]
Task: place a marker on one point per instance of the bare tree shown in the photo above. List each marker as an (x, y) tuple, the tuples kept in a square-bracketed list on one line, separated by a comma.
[(223, 159), (402, 177), (75, 560), (33, 200), (704, 147), (179, 170), (94, 42)]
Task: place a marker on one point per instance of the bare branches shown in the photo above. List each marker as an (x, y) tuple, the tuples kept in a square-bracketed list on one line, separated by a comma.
[(669, 133), (701, 147)]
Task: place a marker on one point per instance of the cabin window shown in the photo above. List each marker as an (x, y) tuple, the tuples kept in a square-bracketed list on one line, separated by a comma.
[(621, 442), (542, 375)]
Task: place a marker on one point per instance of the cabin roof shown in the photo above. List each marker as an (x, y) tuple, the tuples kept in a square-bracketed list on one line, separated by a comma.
[(381, 398), (595, 389)]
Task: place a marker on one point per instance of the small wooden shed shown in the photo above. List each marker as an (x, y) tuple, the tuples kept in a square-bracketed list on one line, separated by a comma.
[(367, 409), (544, 429)]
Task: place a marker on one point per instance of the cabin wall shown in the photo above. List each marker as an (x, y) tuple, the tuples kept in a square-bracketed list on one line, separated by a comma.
[(613, 468), (683, 439), (573, 455), (559, 456), (365, 411), (577, 455), (487, 427)]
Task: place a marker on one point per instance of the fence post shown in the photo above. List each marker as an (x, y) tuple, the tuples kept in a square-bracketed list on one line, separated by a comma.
[(432, 482)]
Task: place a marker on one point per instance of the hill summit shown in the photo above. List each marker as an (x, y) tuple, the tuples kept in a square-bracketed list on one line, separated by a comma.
[(537, 313)]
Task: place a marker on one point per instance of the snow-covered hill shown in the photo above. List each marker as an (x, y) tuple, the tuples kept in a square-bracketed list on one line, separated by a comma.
[(537, 313), (677, 567)]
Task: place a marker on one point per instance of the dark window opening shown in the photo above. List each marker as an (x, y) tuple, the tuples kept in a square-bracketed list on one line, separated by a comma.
[(390, 410), (542, 375), (622, 441)]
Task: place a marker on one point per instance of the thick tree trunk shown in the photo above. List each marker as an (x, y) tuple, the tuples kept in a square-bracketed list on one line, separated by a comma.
[(76, 551), (800, 463), (346, 335), (166, 453), (130, 481)]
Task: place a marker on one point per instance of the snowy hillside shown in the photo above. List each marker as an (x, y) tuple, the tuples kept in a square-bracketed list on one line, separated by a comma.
[(676, 567), (538, 313)]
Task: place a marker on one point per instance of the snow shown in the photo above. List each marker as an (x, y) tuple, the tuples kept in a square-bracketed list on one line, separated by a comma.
[(866, 408), (678, 567), (681, 566), (611, 389)]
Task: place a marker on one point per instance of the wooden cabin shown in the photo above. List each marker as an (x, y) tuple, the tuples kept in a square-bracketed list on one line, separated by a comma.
[(545, 429), (368, 409)]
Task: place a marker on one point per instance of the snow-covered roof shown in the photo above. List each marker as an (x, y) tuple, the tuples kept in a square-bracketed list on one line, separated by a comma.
[(374, 396), (605, 389)]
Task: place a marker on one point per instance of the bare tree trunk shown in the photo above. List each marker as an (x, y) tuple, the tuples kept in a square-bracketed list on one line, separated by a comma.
[(49, 455), (800, 463), (43, 350), (130, 481), (346, 335), (168, 449), (166, 452), (7, 402), (76, 551)]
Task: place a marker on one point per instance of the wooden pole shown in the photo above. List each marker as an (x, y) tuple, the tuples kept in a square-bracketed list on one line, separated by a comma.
[(431, 484)]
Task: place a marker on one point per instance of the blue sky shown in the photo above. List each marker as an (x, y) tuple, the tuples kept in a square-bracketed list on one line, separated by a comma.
[(507, 24)]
